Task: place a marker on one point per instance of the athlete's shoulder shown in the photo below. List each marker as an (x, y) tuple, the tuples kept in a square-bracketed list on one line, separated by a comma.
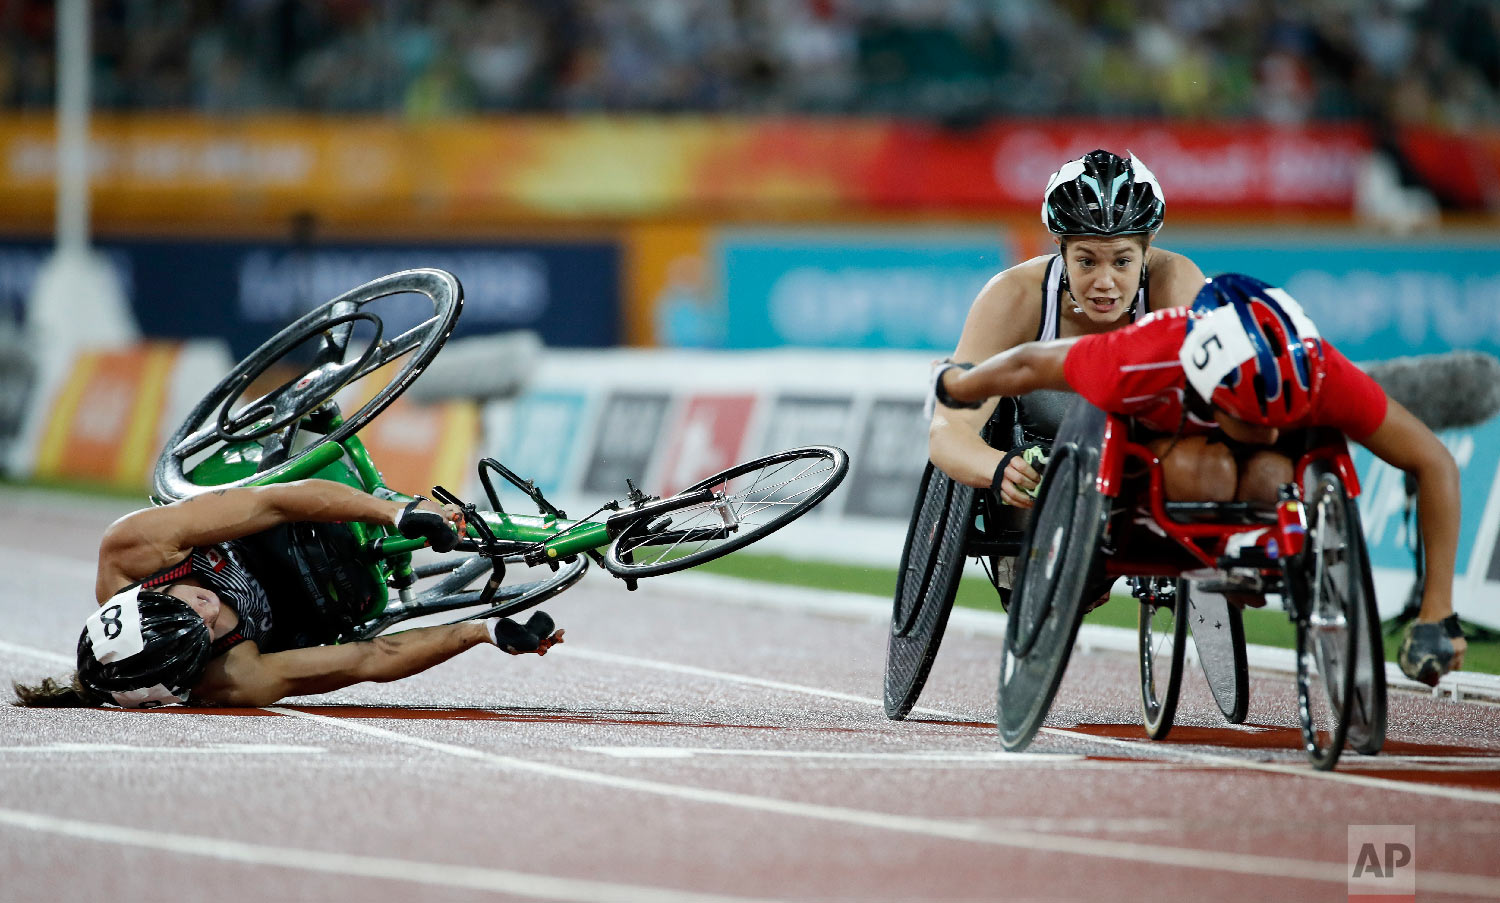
[(1175, 278)]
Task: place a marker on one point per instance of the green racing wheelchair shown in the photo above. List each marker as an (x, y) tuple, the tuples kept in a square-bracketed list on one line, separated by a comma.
[(274, 419)]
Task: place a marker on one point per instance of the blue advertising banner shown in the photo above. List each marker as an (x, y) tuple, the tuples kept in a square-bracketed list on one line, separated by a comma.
[(540, 442), (1382, 500), (1377, 298), (865, 289), (244, 292)]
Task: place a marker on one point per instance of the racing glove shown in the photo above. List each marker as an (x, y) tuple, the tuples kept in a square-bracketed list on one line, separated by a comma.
[(1033, 453), (515, 638), (1427, 651), (416, 522)]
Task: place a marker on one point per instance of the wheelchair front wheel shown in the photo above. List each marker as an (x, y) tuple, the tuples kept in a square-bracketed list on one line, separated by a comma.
[(745, 503), (1162, 642)]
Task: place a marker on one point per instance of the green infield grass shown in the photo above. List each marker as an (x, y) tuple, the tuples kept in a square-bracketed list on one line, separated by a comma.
[(1266, 627)]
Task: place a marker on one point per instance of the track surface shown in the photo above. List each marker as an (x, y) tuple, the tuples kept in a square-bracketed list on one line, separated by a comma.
[(680, 748)]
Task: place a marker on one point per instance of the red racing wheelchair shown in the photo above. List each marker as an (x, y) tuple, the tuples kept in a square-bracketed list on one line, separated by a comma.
[(1102, 512)]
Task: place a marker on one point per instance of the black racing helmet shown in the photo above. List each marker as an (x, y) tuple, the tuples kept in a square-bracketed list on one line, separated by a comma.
[(1101, 193), (143, 649)]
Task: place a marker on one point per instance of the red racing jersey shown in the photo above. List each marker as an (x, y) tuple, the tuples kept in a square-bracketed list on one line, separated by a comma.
[(1135, 371)]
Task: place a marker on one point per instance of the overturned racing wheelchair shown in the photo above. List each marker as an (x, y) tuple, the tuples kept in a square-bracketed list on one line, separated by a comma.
[(274, 418)]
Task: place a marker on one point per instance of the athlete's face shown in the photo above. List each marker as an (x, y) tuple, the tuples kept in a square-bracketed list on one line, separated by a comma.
[(204, 601), (1242, 431), (1105, 274)]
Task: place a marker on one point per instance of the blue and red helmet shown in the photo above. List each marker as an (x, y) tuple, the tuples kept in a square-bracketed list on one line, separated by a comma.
[(1252, 352)]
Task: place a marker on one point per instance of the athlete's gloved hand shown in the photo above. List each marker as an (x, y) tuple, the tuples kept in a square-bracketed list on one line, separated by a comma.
[(442, 527), (1019, 475), (537, 635), (1431, 650)]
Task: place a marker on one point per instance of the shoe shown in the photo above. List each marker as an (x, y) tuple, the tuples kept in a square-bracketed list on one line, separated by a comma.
[(1426, 653)]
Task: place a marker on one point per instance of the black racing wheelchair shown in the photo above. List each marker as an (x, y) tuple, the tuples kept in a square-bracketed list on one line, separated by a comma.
[(1101, 514)]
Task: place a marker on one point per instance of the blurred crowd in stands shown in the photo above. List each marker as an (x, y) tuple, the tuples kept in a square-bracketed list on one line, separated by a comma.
[(1407, 62)]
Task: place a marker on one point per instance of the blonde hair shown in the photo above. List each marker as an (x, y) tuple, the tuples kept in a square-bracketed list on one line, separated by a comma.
[(52, 693)]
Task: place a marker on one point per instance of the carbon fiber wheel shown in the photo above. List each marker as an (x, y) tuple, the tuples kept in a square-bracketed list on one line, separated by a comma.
[(932, 562)]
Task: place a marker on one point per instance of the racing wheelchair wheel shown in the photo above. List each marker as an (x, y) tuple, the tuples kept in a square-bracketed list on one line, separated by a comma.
[(725, 512), (1332, 693), (1218, 630), (1162, 642), (932, 562), (1348, 570), (1059, 559), (275, 416)]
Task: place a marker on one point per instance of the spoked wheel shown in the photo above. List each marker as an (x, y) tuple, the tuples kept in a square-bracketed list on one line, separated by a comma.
[(346, 342), (1055, 565), (932, 562), (727, 511), (1219, 637), (1162, 643), (1348, 570), (1328, 625)]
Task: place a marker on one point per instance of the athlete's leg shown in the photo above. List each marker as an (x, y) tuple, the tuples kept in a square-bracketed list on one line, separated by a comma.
[(1262, 475), (1195, 469)]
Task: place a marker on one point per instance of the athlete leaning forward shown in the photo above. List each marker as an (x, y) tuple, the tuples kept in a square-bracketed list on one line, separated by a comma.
[(1103, 211), (1219, 384)]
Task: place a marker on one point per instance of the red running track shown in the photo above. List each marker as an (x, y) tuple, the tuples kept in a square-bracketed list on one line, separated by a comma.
[(680, 747)]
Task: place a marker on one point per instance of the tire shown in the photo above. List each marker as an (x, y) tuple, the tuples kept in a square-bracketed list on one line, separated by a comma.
[(1218, 630), (1367, 712), (697, 529), (1162, 643), (1330, 618), (1057, 563), (932, 562), (214, 422)]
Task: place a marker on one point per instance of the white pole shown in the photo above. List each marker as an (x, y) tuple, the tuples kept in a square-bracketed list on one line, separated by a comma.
[(78, 301), (73, 55)]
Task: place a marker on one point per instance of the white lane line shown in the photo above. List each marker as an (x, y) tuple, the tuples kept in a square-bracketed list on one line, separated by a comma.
[(998, 757), (950, 829), (215, 749), (1152, 749), (32, 652), (439, 874)]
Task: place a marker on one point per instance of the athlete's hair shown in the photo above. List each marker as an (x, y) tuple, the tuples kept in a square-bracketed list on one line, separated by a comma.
[(52, 693), (1102, 193)]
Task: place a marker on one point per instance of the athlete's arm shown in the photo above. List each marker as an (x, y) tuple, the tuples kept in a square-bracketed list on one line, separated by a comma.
[(1005, 314), (1175, 279), (1405, 442), (245, 677), (143, 542), (1024, 368)]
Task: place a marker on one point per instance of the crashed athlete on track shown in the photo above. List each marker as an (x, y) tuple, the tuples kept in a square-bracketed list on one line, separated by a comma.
[(1220, 381), (194, 604)]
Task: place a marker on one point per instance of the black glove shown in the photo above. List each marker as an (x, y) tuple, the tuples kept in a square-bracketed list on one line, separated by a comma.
[(516, 639), (419, 523)]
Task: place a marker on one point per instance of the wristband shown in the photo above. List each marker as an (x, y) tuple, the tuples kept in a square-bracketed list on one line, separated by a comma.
[(1452, 628), (941, 393)]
